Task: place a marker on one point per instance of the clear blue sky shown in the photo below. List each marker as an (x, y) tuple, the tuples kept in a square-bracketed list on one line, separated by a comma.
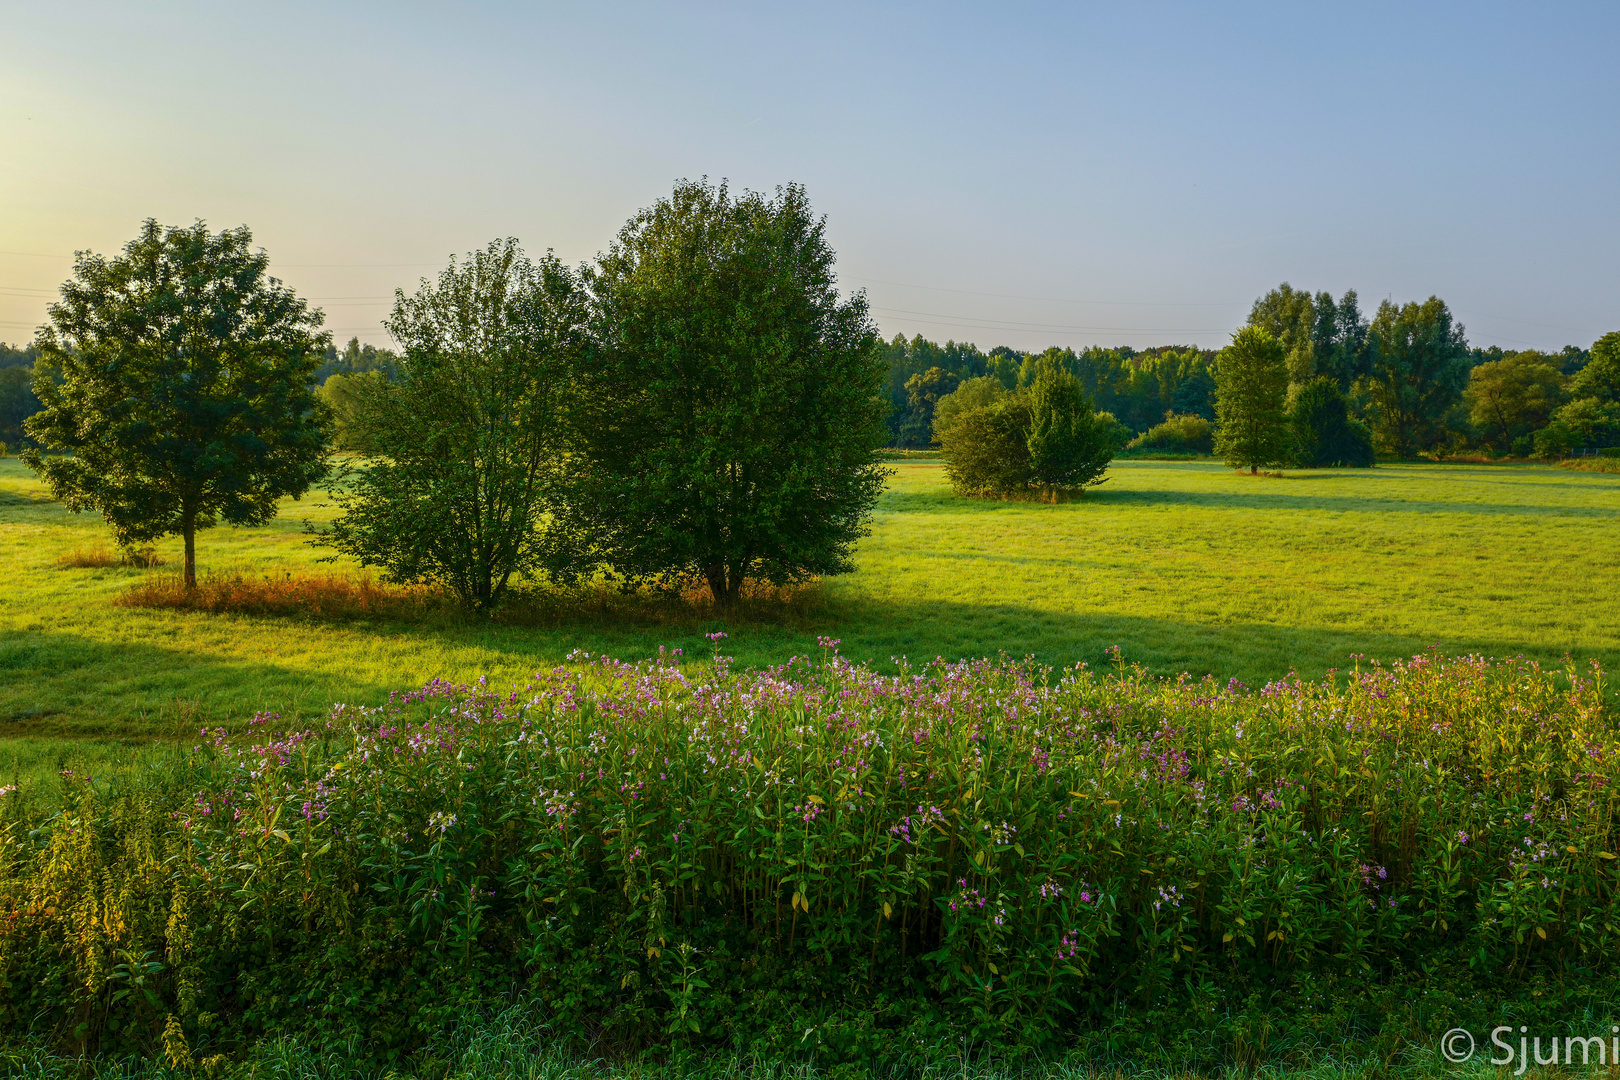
[(1001, 173)]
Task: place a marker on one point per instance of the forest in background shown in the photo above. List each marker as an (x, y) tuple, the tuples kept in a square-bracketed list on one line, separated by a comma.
[(1408, 373)]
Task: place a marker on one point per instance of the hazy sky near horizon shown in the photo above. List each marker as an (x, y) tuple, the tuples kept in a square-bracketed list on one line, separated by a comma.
[(1020, 174)]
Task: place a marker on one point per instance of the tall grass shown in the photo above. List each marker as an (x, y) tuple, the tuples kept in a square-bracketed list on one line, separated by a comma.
[(351, 595), (97, 556), (819, 858)]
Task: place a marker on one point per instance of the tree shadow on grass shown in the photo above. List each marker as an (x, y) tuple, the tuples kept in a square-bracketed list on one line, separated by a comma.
[(1281, 500), (69, 687)]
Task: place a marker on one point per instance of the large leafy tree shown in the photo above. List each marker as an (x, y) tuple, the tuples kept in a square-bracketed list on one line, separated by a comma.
[(1251, 394), (923, 392), (1320, 338), (739, 402), (1512, 397), (470, 443), (177, 378), (1418, 371)]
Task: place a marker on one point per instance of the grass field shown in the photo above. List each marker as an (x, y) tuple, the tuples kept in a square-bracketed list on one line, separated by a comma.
[(1183, 565)]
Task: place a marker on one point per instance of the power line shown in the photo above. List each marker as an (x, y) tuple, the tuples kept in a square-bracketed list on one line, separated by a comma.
[(1052, 299), (1007, 324)]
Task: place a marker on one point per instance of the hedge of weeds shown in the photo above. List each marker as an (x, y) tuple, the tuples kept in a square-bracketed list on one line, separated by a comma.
[(818, 858)]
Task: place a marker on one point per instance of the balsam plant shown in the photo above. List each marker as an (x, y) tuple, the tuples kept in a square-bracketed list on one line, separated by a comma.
[(819, 855)]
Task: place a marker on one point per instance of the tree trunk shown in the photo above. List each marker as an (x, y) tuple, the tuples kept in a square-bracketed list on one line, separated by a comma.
[(188, 528), (715, 573)]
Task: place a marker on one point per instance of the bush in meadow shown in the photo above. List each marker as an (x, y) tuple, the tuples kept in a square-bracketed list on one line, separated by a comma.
[(1177, 435), (821, 855)]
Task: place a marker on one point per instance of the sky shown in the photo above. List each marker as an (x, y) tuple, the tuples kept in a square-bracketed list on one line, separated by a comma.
[(1018, 174)]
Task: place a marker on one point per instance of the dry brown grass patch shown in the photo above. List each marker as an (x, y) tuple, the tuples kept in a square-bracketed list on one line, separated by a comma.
[(322, 595), (339, 596), (86, 558)]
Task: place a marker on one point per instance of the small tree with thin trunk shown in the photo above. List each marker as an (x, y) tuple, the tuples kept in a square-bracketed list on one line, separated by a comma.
[(468, 447), (177, 377), (1251, 398)]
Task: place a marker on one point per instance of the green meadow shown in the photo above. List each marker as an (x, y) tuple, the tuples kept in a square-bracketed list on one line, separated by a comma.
[(1183, 565)]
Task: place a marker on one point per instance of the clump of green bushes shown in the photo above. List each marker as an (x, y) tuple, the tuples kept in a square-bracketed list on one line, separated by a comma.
[(821, 855), (1179, 434), (1045, 436)]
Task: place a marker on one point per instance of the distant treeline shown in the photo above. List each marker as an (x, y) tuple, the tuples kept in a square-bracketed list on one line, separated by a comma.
[(1407, 374), (1137, 386)]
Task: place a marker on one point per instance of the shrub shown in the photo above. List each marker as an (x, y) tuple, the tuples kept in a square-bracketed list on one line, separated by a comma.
[(1324, 432), (1116, 431), (1046, 435), (1177, 435), (971, 394), (985, 452), (972, 851), (1068, 449)]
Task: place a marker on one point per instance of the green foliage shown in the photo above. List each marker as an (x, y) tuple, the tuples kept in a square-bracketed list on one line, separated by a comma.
[(357, 359), (1600, 378), (1251, 377), (738, 400), (1045, 435), (906, 359), (923, 392), (1320, 338), (17, 402), (1068, 448), (986, 452), (971, 394), (1116, 432), (178, 376), (1418, 371), (1324, 432), (707, 861), (1512, 397), (343, 396), (472, 440), (11, 356), (1583, 423), (1184, 434), (1195, 395)]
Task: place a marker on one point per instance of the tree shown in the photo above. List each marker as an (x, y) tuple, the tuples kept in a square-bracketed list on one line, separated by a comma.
[(738, 402), (923, 392), (1195, 396), (971, 394), (178, 376), (1068, 448), (1251, 390), (17, 402), (1513, 397), (1418, 371), (356, 359), (986, 452), (1600, 378), (1318, 336), (1324, 433), (344, 395), (471, 441)]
